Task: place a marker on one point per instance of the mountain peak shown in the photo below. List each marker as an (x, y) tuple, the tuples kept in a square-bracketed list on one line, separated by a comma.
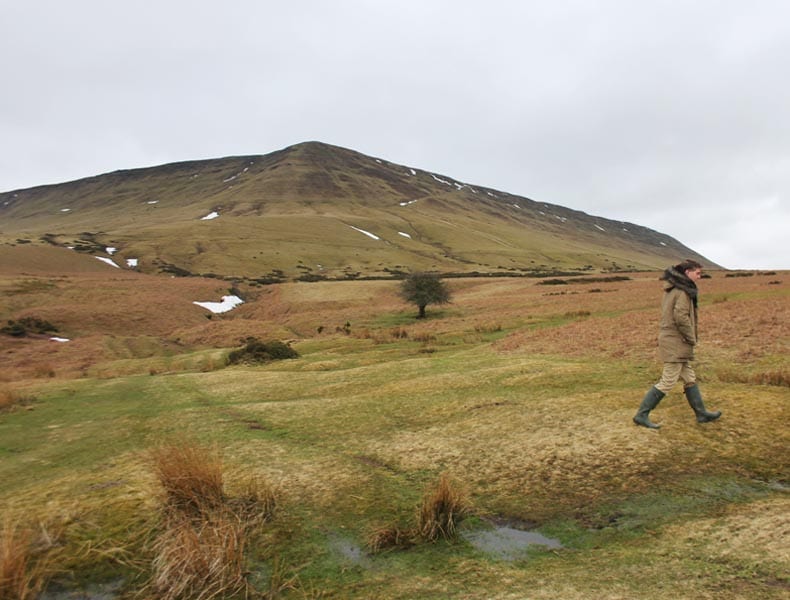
[(321, 211)]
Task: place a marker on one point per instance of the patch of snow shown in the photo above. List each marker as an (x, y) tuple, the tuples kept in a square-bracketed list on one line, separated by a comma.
[(492, 195), (663, 244), (407, 203), (152, 202), (231, 178), (599, 227), (228, 303), (131, 262), (211, 215), (404, 234), (65, 210), (624, 229), (59, 339), (110, 250), (367, 233), (441, 180), (413, 172), (109, 261)]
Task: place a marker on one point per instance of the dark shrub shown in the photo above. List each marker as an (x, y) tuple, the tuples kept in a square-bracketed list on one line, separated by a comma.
[(27, 325), (256, 351), (14, 328)]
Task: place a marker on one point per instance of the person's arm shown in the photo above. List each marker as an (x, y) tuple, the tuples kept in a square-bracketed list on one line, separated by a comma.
[(681, 314)]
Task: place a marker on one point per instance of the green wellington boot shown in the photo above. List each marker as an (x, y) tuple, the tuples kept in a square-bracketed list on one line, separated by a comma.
[(695, 401), (649, 402)]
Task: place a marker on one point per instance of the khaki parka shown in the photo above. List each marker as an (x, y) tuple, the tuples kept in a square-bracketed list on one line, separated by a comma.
[(677, 334)]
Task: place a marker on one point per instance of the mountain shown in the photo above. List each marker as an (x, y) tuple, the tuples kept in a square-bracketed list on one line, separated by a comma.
[(315, 211)]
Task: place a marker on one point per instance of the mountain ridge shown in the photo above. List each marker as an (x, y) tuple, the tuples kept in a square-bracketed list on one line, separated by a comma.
[(314, 210)]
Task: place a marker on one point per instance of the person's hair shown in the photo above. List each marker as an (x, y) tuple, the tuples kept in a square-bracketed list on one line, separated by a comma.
[(687, 265)]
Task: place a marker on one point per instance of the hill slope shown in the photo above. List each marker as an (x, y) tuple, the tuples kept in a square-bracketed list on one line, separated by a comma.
[(318, 211)]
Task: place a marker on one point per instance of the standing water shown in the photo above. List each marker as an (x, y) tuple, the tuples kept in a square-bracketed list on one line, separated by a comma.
[(508, 543)]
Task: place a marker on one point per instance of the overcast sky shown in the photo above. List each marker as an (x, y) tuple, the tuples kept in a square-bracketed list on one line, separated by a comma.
[(674, 115)]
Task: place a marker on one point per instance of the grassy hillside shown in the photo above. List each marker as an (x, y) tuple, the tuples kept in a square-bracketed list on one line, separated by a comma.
[(319, 211), (520, 392)]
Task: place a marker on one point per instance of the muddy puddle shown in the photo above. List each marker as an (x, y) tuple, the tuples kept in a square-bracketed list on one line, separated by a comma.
[(508, 543), (105, 591), (348, 550)]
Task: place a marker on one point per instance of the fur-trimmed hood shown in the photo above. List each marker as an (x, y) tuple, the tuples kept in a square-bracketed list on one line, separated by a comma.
[(677, 279)]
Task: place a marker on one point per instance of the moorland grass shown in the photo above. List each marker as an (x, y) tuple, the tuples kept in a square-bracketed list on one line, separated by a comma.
[(443, 507), (534, 424), (23, 571), (11, 398), (199, 549)]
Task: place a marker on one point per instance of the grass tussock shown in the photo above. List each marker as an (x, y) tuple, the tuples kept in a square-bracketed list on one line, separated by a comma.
[(255, 502), (443, 507), (10, 398), (488, 328), (191, 477), (23, 564), (200, 559), (399, 333), (389, 537), (200, 550)]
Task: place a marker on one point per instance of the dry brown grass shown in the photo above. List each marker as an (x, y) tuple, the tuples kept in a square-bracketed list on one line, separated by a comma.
[(201, 559), (779, 377), (389, 537), (106, 314), (754, 534), (749, 326), (110, 317), (23, 571), (191, 477), (539, 457), (199, 553), (443, 507), (11, 397), (8, 397)]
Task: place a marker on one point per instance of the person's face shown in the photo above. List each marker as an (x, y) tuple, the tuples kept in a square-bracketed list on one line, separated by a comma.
[(694, 274)]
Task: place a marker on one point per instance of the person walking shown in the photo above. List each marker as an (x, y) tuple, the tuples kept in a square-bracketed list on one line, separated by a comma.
[(676, 340)]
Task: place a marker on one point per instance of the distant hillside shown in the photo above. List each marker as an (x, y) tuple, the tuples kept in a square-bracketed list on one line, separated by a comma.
[(315, 211)]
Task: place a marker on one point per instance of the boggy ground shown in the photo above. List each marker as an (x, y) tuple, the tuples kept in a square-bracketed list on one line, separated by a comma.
[(521, 392)]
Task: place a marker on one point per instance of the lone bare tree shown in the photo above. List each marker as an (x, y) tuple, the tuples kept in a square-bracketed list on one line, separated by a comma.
[(423, 289)]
